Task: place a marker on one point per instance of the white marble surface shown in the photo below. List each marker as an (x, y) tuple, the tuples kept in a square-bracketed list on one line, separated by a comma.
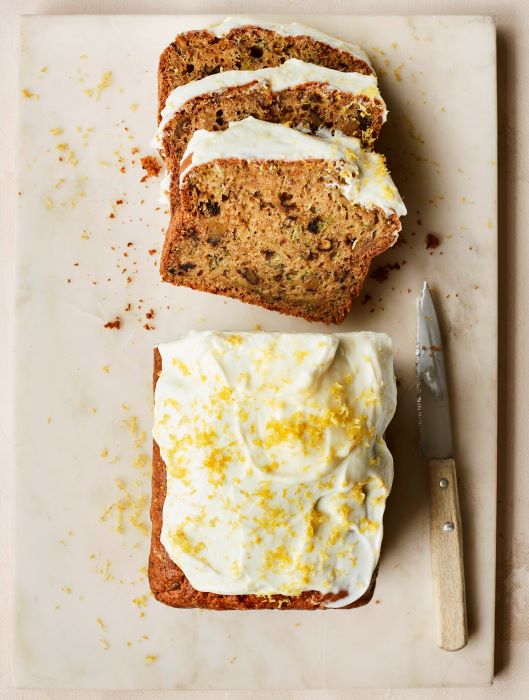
[(444, 162)]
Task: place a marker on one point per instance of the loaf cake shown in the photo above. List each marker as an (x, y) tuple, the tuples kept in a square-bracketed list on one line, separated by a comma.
[(295, 93), (270, 471), (282, 219), (249, 44)]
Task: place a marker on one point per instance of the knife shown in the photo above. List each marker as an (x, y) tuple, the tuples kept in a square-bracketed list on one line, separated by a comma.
[(435, 429)]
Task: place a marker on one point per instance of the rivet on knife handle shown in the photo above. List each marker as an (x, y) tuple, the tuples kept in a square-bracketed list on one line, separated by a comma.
[(446, 545)]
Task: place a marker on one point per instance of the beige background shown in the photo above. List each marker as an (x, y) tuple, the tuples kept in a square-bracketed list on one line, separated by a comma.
[(513, 544)]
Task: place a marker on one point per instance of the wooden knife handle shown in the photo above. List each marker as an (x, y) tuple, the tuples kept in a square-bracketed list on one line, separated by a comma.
[(446, 545)]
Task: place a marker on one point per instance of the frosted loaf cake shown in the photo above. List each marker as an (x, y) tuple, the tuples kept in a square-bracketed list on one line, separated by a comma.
[(270, 471)]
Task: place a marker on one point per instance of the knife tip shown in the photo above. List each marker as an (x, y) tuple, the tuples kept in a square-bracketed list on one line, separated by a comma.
[(425, 290)]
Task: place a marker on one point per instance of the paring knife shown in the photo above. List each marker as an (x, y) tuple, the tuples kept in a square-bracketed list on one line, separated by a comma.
[(435, 428)]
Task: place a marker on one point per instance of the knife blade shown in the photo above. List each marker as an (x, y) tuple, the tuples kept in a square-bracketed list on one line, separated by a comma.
[(436, 444)]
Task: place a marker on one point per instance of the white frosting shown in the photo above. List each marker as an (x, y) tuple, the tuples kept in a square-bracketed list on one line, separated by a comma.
[(362, 176), (277, 471), (293, 29), (290, 74)]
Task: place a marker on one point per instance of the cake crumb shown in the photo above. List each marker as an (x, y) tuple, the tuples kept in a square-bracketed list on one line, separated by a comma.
[(151, 166), (115, 324), (432, 241), (381, 273)]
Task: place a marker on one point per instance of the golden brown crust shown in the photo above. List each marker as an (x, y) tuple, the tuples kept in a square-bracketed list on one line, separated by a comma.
[(195, 54), (169, 584)]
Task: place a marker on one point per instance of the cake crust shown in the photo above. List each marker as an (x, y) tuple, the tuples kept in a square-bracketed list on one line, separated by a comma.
[(169, 584)]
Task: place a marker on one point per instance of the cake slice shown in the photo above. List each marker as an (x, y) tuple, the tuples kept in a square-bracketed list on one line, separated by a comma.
[(248, 44), (282, 219), (296, 93), (270, 471)]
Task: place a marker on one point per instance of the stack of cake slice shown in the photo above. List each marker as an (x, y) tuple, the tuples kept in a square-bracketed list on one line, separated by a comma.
[(276, 196)]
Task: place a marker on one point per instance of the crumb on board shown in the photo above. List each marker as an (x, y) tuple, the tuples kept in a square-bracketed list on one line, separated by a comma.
[(151, 165), (381, 273), (432, 241), (115, 324)]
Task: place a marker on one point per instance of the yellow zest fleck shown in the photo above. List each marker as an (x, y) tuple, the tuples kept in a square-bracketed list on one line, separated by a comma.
[(104, 453), (29, 95), (368, 525), (100, 623), (141, 461), (57, 131), (205, 438), (397, 72), (181, 366), (66, 589), (134, 107), (277, 560), (150, 659), (234, 339), (225, 394), (300, 355), (217, 465), (140, 601), (368, 396), (49, 203), (179, 538), (105, 644)]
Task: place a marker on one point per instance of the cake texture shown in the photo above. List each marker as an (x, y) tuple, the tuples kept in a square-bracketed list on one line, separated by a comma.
[(282, 219), (246, 44), (295, 93), (259, 500)]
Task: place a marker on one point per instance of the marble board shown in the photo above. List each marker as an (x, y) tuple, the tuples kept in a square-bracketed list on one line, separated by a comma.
[(89, 237)]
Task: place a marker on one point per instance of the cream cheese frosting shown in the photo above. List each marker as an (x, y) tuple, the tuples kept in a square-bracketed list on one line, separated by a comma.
[(362, 175), (277, 470), (289, 74), (292, 29)]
